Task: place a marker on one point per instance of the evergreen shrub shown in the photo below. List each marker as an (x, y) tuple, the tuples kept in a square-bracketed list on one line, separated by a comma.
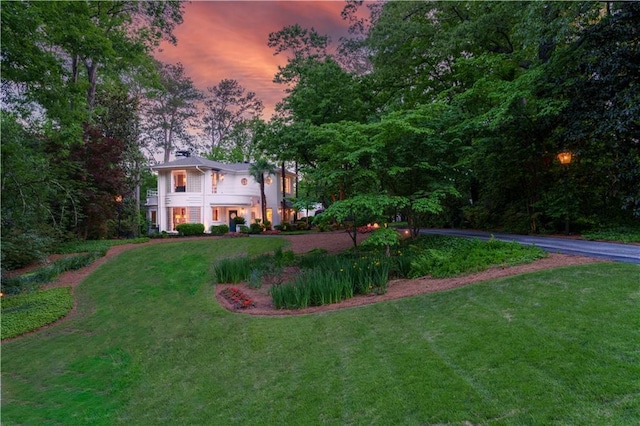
[(189, 229)]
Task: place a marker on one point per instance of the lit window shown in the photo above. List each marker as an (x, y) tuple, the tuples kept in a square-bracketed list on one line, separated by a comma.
[(180, 181)]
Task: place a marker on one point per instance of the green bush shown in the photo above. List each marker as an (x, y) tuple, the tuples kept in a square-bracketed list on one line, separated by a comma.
[(255, 228), (219, 229), (24, 249), (28, 312), (189, 229)]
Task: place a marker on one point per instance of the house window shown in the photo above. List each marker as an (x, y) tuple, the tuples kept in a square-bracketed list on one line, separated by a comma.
[(270, 215), (215, 178), (268, 180), (179, 181), (179, 215), (244, 181), (215, 214), (154, 217), (287, 185)]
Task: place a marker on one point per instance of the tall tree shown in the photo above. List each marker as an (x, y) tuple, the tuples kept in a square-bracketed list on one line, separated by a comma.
[(55, 50), (172, 110), (257, 170), (228, 110)]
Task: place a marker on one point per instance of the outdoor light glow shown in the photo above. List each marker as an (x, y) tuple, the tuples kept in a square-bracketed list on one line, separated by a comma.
[(118, 198), (564, 157)]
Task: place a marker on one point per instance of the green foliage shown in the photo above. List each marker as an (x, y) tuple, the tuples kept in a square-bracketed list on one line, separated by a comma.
[(190, 229), (45, 274), (27, 312), (24, 249), (232, 270), (623, 234), (255, 228), (383, 238), (327, 279), (219, 229), (440, 257)]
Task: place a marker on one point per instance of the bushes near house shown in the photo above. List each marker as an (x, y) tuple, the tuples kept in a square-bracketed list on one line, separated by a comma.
[(190, 229), (219, 229), (255, 228)]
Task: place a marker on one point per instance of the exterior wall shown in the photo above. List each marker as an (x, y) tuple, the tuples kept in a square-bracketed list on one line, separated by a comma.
[(236, 192)]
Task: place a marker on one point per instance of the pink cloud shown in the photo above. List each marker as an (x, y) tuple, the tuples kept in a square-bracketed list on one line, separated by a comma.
[(228, 40)]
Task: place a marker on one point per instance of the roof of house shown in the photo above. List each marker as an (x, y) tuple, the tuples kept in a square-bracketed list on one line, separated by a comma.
[(203, 163)]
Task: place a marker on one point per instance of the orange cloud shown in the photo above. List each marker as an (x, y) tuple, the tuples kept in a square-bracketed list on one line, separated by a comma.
[(228, 40)]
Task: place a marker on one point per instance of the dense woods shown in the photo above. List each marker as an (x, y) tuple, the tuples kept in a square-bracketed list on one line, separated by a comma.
[(445, 113)]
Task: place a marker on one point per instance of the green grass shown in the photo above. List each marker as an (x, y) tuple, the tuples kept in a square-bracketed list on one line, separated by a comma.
[(150, 345)]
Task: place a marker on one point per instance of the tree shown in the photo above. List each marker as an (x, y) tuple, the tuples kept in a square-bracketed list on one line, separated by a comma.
[(54, 50), (257, 170), (301, 44), (171, 110), (118, 116), (599, 76), (227, 114)]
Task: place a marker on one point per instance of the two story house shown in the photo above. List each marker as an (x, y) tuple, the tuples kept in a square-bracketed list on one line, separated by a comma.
[(197, 190)]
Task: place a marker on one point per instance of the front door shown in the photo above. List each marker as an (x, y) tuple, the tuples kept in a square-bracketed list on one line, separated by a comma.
[(232, 223)]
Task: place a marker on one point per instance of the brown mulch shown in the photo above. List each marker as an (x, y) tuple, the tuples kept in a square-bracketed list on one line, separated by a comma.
[(334, 242)]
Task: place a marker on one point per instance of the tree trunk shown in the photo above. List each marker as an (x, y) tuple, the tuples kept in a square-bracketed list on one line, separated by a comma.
[(92, 75)]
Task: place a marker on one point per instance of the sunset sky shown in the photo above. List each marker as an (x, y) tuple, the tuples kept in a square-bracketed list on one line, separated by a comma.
[(228, 40)]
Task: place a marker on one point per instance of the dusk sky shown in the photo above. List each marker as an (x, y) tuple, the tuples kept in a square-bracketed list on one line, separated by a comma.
[(228, 40)]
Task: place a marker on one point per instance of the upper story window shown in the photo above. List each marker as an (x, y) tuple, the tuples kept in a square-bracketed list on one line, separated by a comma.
[(179, 180), (215, 179), (244, 181), (287, 185)]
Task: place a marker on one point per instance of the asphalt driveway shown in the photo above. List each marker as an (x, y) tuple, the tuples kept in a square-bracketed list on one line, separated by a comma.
[(628, 253)]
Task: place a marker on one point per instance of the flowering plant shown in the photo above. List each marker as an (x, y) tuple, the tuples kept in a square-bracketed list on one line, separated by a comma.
[(237, 298)]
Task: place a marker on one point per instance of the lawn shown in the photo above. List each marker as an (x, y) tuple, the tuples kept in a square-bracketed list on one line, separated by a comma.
[(150, 345)]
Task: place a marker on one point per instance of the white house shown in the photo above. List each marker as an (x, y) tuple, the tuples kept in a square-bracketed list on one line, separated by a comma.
[(198, 190)]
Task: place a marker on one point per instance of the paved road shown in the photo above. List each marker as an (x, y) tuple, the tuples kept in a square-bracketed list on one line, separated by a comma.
[(613, 251)]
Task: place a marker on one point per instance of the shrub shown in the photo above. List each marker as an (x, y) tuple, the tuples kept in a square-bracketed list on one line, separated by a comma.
[(24, 249), (219, 229), (244, 229), (255, 228), (189, 229)]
